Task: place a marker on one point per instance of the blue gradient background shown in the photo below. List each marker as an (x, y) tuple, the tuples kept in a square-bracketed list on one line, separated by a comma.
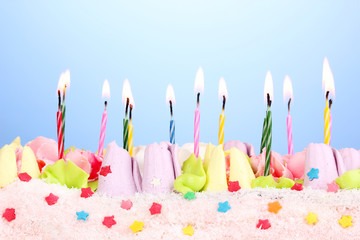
[(153, 43)]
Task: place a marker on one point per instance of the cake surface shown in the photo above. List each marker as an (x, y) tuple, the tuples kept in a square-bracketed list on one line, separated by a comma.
[(35, 219)]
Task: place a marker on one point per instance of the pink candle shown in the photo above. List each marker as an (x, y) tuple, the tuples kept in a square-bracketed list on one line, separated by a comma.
[(289, 134), (196, 131), (60, 135), (105, 94)]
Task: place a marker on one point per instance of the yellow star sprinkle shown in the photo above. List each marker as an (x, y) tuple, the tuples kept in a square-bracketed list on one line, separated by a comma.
[(137, 226), (311, 218), (188, 230), (345, 221)]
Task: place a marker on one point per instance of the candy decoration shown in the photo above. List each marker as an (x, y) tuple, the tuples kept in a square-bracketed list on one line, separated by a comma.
[(82, 215), (189, 230), (313, 173), (51, 199), (332, 187), (155, 208), (297, 187), (137, 226), (189, 195), (274, 207), (105, 170), (224, 207), (263, 224), (345, 221), (24, 177), (127, 205), (109, 221), (234, 186), (9, 214), (86, 192), (311, 218)]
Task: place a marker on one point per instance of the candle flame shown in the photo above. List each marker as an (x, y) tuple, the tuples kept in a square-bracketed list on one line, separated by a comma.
[(126, 91), (287, 89), (199, 81), (106, 89), (64, 81), (268, 88), (328, 78), (170, 94), (131, 100), (222, 89)]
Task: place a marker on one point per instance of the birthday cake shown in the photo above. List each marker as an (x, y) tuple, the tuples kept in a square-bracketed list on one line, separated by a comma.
[(165, 192)]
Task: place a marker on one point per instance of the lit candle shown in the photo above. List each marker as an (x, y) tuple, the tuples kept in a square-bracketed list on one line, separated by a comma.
[(170, 98), (329, 87), (126, 98), (288, 95), (330, 119), (268, 96), (198, 88), (59, 130), (131, 143), (65, 81), (223, 94), (105, 94)]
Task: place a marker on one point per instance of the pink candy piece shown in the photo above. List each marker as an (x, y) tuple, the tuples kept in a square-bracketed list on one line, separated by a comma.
[(351, 158), (79, 159), (45, 149), (296, 164)]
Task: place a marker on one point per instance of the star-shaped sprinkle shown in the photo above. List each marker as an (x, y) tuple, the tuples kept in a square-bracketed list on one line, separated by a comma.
[(82, 215), (345, 221), (313, 174), (25, 177), (51, 199), (263, 224), (311, 218), (224, 207), (105, 170), (86, 192), (137, 226), (274, 207), (109, 221), (155, 208), (234, 186), (190, 195), (297, 187), (155, 182), (189, 230), (332, 187), (9, 214), (127, 205)]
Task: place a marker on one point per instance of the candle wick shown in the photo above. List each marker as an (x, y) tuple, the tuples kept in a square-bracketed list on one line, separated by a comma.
[(289, 105), (126, 106), (130, 115), (198, 99), (327, 95), (105, 104), (330, 103), (171, 109), (59, 96), (224, 101), (268, 101)]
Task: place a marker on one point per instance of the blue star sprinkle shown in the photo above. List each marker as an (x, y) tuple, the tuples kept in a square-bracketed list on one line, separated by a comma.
[(224, 207), (82, 215), (313, 174)]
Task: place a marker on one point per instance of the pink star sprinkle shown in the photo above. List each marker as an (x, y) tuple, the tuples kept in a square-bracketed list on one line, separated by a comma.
[(127, 205), (332, 187), (297, 187), (24, 177), (234, 186), (51, 199), (263, 224), (155, 208), (105, 171), (86, 192)]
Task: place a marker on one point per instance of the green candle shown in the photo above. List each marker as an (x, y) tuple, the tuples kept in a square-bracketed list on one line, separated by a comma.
[(268, 143), (125, 134), (263, 138)]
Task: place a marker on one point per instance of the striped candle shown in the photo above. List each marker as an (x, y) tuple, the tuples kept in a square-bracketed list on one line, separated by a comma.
[(126, 134), (131, 146), (263, 136), (221, 127), (289, 134), (196, 131), (327, 124), (102, 131), (172, 132), (268, 143), (60, 135), (63, 108)]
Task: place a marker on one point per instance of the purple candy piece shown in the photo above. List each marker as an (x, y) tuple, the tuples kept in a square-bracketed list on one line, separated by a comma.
[(321, 156), (351, 158), (160, 168), (246, 148), (120, 182)]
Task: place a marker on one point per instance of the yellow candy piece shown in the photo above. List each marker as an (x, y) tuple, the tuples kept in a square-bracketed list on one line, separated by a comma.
[(188, 230), (8, 168), (29, 163), (240, 169), (137, 226), (311, 218), (215, 169), (345, 221)]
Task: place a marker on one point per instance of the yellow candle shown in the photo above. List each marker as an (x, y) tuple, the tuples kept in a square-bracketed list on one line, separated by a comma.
[(327, 123), (221, 128), (131, 146)]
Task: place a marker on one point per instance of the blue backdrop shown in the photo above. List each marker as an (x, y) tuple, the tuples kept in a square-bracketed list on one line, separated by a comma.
[(153, 43)]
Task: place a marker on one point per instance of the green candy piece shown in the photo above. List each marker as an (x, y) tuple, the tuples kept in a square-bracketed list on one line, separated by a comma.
[(190, 195), (68, 174), (68, 150), (349, 180), (193, 177), (269, 182)]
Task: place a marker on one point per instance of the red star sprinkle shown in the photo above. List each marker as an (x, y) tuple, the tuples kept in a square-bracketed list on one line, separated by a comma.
[(127, 205), (234, 186), (24, 177), (41, 164), (297, 187), (263, 224), (109, 221), (105, 171), (9, 214), (155, 208), (86, 192), (51, 199), (332, 187)]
